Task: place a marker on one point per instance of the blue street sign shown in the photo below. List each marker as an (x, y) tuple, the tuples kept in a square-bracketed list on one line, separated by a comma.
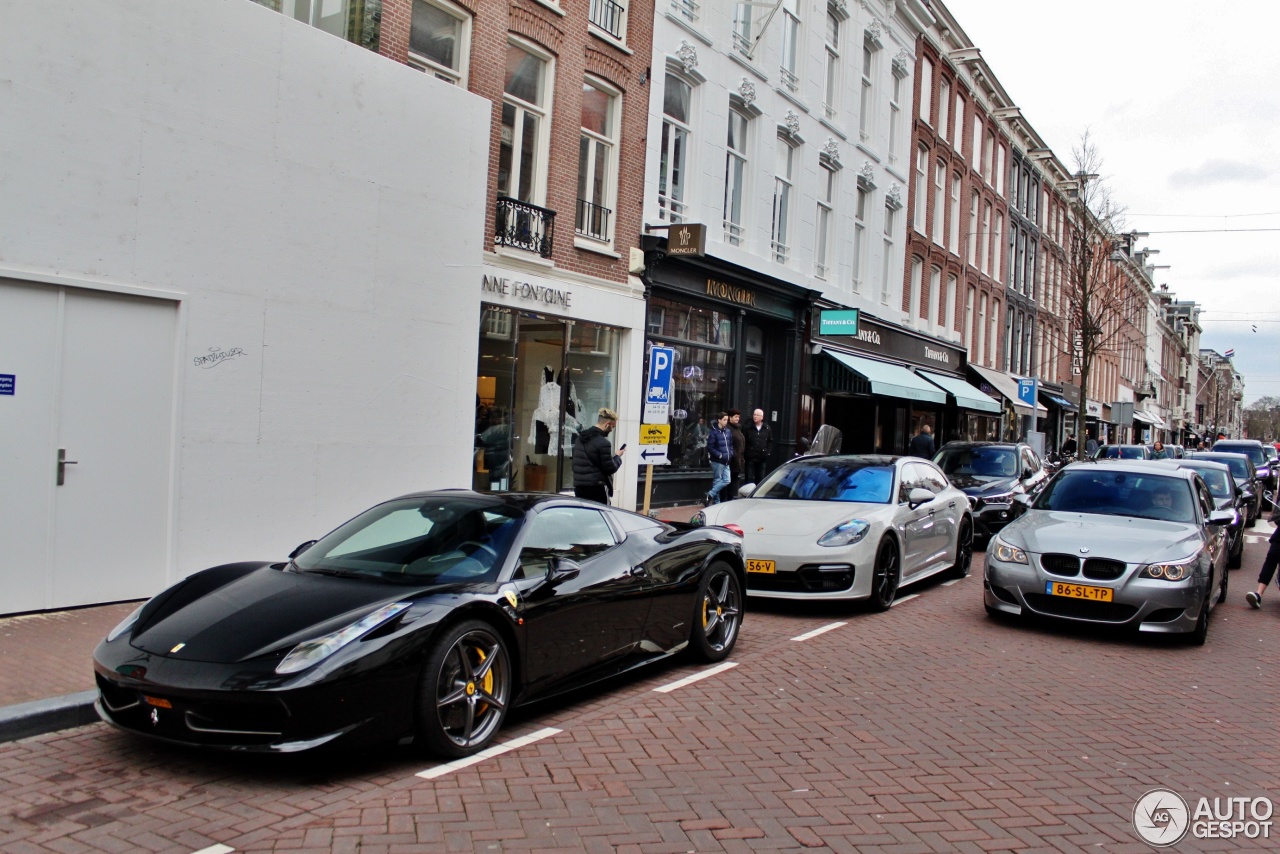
[(661, 361), (1027, 391), (7, 382)]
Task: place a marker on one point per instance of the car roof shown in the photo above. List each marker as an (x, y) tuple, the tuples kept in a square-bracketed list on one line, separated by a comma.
[(1132, 467), (1194, 463), (1246, 442), (963, 444)]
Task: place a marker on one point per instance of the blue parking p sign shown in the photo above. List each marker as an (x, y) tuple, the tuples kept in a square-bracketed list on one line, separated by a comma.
[(661, 360), (1027, 391)]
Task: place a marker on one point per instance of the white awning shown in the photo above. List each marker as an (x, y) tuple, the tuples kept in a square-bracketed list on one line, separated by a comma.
[(1008, 387), (967, 397), (1148, 418), (890, 380)]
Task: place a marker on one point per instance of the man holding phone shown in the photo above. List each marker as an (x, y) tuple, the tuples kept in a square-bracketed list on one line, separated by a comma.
[(594, 461)]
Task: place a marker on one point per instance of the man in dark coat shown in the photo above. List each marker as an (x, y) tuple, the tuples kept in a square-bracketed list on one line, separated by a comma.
[(922, 443), (759, 445), (737, 461), (594, 461)]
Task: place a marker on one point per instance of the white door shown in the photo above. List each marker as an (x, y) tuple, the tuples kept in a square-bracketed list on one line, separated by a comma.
[(93, 382)]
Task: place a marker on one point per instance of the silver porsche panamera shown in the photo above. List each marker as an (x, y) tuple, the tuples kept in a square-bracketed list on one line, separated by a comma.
[(1117, 543)]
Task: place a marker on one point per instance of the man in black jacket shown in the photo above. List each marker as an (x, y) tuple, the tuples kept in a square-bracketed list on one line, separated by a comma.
[(922, 444), (759, 445), (738, 461), (594, 461)]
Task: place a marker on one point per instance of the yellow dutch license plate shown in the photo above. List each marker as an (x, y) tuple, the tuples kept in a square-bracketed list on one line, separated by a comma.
[(765, 566), (1078, 591)]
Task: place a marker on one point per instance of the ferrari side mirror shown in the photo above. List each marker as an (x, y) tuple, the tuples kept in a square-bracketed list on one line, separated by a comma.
[(302, 548)]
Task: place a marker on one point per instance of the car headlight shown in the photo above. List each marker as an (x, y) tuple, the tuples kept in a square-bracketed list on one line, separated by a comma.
[(125, 624), (1007, 553), (1002, 498), (312, 652), (1179, 571), (846, 533)]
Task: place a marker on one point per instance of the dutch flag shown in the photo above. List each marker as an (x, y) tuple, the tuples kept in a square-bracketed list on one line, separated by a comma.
[(1229, 353)]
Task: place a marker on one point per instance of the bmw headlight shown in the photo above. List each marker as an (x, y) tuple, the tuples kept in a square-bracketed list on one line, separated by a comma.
[(125, 624), (1007, 553), (846, 533), (312, 652), (1002, 498), (1178, 571)]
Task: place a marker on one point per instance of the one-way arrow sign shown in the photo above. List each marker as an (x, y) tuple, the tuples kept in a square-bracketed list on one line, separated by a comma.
[(655, 455)]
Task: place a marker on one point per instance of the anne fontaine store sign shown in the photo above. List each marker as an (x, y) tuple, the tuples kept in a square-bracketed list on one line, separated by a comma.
[(518, 291)]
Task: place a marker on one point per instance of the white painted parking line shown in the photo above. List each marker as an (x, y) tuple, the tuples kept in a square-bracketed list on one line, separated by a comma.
[(489, 753), (215, 849), (952, 581), (897, 602), (689, 680), (816, 632)]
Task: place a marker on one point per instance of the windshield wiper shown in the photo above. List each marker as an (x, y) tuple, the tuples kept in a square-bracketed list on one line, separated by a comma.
[(337, 573)]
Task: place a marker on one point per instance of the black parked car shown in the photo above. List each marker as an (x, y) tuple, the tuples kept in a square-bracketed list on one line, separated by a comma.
[(992, 474), (1123, 452), (1245, 475), (1227, 496), (1263, 457), (428, 615)]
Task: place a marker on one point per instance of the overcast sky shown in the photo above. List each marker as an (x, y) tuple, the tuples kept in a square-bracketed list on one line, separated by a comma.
[(1182, 100)]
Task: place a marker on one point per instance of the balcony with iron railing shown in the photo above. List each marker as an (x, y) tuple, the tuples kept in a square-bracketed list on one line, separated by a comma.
[(690, 10), (608, 16), (524, 226), (593, 220)]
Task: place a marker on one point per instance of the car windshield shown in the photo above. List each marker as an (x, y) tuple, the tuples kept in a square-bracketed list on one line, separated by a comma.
[(980, 462), (433, 539), (1123, 452), (1113, 493), (1238, 464), (1218, 481), (829, 479), (1256, 453)]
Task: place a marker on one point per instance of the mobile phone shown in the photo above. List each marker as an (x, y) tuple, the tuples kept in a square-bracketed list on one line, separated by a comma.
[(622, 447)]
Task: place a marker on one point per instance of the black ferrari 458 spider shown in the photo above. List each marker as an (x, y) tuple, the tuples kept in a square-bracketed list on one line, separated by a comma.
[(430, 615)]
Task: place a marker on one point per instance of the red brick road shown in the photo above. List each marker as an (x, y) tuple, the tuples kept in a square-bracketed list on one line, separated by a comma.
[(928, 728)]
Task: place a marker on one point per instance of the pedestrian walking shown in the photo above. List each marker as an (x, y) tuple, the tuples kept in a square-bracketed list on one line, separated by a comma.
[(1069, 447), (1090, 447), (594, 461), (737, 462), (1269, 564), (759, 446), (719, 452), (922, 443)]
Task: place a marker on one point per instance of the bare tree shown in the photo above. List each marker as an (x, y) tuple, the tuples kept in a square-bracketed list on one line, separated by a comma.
[(1106, 286), (1262, 419)]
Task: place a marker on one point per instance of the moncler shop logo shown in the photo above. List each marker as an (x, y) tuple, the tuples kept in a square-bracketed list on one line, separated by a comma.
[(732, 293)]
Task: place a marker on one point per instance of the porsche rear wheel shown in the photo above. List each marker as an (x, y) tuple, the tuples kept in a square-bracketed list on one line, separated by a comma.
[(465, 690), (964, 551), (885, 577), (717, 615)]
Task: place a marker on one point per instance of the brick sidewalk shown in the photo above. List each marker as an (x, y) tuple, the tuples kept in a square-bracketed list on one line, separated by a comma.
[(49, 654)]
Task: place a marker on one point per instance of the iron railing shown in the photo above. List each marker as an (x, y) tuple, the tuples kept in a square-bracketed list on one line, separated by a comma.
[(593, 220), (607, 15), (524, 226)]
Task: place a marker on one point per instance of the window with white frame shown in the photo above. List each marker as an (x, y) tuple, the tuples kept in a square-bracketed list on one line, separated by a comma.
[(994, 337), (610, 16), (439, 40), (859, 235), (954, 233), (867, 96), (988, 144), (677, 100), (353, 20), (826, 203), (522, 155), (922, 178), (887, 261), (944, 108), (597, 160), (957, 140), (735, 176), (831, 82), (688, 10), (999, 176), (973, 229), (789, 68), (935, 295), (949, 305), (895, 116), (917, 285), (782, 187), (939, 202), (926, 89), (966, 334), (986, 238), (980, 347), (975, 144), (998, 247)]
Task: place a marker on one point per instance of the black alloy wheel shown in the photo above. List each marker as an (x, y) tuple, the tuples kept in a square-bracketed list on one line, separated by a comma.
[(718, 613), (1235, 553), (1200, 633), (964, 551), (885, 577), (465, 690), (1222, 588)]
